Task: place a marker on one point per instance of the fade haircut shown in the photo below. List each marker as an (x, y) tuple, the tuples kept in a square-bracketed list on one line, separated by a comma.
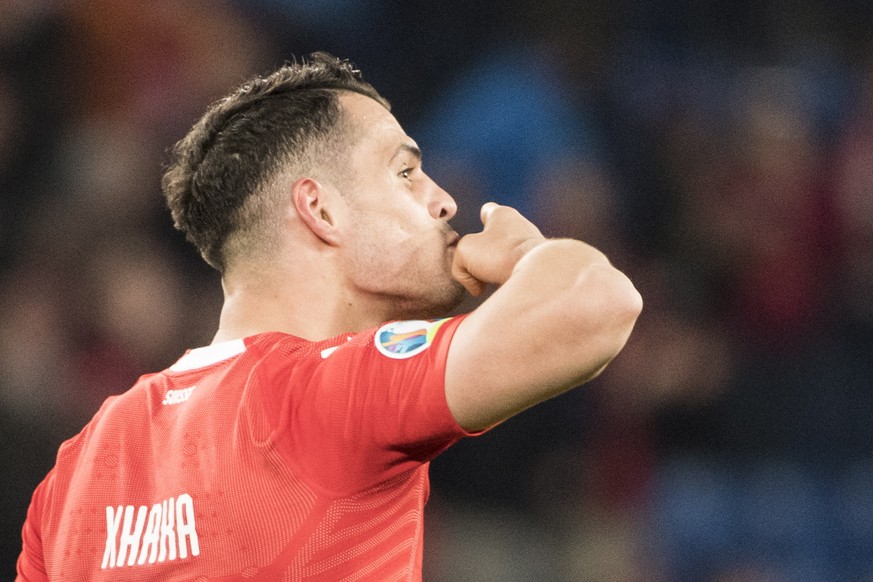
[(216, 185)]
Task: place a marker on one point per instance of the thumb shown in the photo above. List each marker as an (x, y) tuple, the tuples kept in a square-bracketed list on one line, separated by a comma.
[(487, 210)]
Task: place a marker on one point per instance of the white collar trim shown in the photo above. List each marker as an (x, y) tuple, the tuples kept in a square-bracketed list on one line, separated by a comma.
[(208, 355)]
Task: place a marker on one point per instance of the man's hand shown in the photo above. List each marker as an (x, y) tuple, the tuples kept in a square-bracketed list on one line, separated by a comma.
[(488, 257)]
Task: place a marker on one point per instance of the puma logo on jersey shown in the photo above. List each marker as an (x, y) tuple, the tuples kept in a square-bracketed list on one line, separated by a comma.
[(139, 535), (177, 396), (328, 351)]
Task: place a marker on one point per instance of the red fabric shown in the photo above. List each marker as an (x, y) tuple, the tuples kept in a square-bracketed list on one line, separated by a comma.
[(279, 464)]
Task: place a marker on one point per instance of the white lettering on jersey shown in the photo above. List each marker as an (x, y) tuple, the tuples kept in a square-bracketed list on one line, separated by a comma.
[(168, 533), (177, 396), (153, 536), (113, 520), (131, 535)]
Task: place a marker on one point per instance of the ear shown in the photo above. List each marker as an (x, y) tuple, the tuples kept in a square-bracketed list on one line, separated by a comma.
[(312, 201)]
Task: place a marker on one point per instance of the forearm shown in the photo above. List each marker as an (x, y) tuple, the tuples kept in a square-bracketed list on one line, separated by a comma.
[(557, 258), (577, 308), (556, 321)]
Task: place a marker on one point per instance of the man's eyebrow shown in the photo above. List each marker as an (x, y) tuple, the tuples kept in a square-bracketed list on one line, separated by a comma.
[(407, 148)]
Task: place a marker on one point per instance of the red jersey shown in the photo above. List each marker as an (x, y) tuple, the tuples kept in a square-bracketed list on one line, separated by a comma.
[(271, 458)]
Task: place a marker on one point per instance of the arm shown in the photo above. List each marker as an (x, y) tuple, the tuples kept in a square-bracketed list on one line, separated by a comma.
[(560, 315)]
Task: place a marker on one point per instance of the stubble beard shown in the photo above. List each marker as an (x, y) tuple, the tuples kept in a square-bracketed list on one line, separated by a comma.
[(449, 298), (436, 298), (429, 290)]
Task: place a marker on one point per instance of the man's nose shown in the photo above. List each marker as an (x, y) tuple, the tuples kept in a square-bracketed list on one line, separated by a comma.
[(441, 204)]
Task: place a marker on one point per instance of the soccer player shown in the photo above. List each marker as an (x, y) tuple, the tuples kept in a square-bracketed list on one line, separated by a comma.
[(296, 446)]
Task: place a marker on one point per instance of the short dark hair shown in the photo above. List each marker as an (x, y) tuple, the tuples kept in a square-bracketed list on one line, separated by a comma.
[(214, 184)]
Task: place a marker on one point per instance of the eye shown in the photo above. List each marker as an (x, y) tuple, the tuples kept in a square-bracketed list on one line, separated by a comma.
[(405, 173)]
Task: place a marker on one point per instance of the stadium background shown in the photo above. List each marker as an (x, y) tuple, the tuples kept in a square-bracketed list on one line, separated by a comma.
[(720, 152)]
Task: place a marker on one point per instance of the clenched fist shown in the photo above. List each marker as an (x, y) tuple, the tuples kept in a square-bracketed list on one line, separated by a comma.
[(488, 257)]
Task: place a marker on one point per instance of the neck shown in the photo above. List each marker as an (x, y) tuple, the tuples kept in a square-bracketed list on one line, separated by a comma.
[(311, 305)]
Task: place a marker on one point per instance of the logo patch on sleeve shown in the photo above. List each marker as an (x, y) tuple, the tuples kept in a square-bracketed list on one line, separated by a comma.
[(404, 339)]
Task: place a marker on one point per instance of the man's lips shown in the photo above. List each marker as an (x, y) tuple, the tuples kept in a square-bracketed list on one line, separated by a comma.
[(452, 238)]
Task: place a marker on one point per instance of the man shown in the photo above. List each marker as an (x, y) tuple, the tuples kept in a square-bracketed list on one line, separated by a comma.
[(296, 445)]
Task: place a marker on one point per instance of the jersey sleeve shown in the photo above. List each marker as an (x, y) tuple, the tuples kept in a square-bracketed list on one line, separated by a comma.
[(376, 406), (31, 562)]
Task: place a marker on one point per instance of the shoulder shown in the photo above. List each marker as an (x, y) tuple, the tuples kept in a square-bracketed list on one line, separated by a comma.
[(397, 347)]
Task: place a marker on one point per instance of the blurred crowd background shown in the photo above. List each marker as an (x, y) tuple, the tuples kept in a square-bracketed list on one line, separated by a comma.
[(721, 153)]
